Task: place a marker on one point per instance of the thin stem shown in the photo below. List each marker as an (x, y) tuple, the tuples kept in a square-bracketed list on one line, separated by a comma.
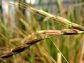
[(48, 55), (59, 51)]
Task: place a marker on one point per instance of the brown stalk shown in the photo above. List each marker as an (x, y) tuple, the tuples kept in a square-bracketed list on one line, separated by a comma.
[(20, 48), (31, 42)]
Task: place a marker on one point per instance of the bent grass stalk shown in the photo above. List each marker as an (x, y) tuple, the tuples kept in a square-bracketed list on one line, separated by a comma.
[(31, 42), (54, 17), (59, 19), (20, 48)]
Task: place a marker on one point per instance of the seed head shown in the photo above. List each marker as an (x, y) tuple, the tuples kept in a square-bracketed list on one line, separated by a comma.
[(69, 31), (19, 49), (6, 55), (33, 41), (76, 26)]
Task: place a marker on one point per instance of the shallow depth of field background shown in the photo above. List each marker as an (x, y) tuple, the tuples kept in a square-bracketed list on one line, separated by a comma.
[(18, 23)]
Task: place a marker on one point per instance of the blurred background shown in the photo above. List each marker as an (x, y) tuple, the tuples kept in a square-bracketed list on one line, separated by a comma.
[(18, 25)]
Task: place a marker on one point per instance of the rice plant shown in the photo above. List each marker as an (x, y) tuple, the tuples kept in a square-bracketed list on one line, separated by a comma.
[(42, 36)]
